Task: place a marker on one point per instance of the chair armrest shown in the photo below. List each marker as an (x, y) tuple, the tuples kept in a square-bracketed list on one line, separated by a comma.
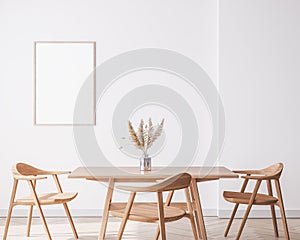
[(58, 172), (257, 177), (22, 177)]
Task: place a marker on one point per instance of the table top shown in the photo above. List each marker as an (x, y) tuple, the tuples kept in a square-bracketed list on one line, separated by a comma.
[(133, 174)]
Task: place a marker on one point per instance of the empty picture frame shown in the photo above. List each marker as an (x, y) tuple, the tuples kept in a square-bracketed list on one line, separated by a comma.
[(60, 70)]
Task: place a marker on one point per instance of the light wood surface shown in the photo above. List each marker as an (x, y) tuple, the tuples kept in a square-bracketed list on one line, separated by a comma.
[(22, 171), (254, 198), (133, 174)]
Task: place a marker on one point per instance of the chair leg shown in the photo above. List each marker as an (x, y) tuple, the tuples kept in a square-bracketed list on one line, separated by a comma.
[(231, 219), (282, 211), (11, 205), (199, 215), (126, 215), (157, 233), (251, 201), (37, 203), (269, 185), (168, 202), (59, 188), (243, 188), (161, 216), (29, 219), (190, 209), (70, 220), (108, 199), (196, 215)]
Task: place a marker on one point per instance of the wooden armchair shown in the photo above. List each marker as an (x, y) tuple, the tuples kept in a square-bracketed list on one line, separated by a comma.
[(271, 173), (22, 171), (152, 212)]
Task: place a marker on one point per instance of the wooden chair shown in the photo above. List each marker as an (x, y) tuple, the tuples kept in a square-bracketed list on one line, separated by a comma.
[(152, 212), (22, 171), (268, 174)]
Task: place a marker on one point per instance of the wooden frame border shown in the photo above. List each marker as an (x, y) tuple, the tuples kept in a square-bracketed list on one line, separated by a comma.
[(35, 84)]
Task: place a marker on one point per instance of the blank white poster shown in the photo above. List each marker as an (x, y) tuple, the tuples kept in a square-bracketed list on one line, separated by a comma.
[(61, 69)]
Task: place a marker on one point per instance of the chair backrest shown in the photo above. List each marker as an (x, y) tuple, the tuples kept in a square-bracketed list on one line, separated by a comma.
[(27, 170), (178, 181), (274, 171)]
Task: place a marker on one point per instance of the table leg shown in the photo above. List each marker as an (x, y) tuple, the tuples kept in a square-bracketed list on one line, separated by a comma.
[(105, 216), (199, 214), (195, 213)]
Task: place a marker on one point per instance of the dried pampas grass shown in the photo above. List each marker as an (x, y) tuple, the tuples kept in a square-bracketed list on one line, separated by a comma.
[(145, 135), (133, 136)]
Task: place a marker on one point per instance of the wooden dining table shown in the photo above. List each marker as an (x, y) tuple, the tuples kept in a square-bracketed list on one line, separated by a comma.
[(114, 175)]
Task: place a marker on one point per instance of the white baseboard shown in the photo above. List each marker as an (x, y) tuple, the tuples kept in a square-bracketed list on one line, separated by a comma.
[(225, 213), (210, 212)]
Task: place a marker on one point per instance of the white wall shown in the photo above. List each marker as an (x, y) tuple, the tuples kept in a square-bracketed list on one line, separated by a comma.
[(117, 26), (259, 61), (259, 84)]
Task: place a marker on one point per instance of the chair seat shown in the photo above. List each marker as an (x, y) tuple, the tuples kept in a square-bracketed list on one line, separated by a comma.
[(243, 198), (147, 212), (48, 198)]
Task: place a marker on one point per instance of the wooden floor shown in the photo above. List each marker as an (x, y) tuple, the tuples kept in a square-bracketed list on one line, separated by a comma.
[(88, 229)]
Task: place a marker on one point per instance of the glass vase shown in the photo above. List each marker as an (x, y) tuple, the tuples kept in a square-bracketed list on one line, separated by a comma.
[(145, 164)]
